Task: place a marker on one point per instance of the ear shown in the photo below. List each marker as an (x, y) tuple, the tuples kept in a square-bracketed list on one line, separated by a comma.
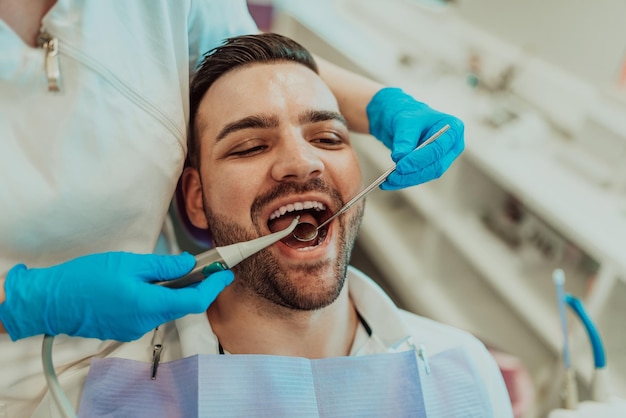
[(192, 191)]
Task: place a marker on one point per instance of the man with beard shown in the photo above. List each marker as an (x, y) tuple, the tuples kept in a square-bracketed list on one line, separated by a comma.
[(268, 144)]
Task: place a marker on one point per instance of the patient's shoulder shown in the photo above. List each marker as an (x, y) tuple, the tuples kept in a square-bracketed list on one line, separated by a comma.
[(438, 336)]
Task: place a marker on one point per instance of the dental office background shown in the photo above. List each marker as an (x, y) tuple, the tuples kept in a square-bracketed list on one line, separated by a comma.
[(541, 87)]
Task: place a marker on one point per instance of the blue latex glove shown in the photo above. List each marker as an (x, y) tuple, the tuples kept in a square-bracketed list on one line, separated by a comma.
[(402, 123), (105, 296)]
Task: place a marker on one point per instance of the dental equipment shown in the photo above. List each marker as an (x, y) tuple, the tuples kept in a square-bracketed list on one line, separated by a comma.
[(602, 403), (221, 258), (600, 386), (570, 388), (307, 232), (59, 397)]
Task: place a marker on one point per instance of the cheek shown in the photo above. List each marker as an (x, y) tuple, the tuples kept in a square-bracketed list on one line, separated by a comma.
[(230, 192), (349, 177)]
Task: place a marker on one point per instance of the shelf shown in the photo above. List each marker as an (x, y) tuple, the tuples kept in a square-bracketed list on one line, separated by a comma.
[(589, 216), (498, 266)]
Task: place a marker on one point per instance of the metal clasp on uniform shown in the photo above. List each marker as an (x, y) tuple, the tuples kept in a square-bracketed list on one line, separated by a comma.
[(157, 348), (50, 45), (421, 352)]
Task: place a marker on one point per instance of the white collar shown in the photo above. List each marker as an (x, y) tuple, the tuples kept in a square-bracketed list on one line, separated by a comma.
[(376, 308)]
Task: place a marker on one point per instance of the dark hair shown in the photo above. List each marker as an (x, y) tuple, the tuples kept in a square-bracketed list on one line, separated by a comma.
[(234, 53)]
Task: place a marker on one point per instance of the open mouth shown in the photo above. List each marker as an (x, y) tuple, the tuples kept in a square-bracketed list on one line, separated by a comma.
[(312, 212)]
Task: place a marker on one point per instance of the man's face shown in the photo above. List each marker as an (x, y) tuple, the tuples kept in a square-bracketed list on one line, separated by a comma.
[(273, 146)]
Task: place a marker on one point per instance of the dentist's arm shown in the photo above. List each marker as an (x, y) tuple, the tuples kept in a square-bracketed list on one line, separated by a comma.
[(400, 122), (353, 93), (105, 296)]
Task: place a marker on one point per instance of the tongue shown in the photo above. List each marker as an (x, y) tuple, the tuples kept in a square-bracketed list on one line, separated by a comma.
[(285, 220)]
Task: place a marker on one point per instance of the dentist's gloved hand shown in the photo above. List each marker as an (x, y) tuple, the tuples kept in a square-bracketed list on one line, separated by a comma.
[(402, 123), (105, 296)]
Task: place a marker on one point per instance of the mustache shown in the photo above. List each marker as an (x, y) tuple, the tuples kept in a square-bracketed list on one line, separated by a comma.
[(288, 188)]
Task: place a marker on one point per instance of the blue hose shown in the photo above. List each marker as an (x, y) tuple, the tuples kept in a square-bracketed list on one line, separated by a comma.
[(599, 357)]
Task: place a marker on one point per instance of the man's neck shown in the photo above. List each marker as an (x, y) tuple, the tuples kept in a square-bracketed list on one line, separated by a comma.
[(247, 327)]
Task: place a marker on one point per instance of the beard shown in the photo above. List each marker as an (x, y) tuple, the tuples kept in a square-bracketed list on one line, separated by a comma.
[(304, 286)]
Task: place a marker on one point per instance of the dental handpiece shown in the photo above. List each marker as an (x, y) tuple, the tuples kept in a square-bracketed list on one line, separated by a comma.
[(221, 258)]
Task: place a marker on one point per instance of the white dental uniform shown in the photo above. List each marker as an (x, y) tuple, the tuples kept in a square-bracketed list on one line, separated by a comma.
[(388, 325), (93, 167)]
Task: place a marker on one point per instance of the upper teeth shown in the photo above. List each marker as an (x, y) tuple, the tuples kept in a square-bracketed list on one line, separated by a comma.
[(292, 207)]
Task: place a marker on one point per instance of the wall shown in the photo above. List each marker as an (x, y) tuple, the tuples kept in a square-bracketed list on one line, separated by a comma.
[(586, 38)]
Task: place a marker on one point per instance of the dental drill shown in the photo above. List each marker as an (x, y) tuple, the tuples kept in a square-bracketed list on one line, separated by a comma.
[(222, 258)]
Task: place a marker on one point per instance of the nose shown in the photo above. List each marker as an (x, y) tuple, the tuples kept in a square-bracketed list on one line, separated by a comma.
[(297, 160)]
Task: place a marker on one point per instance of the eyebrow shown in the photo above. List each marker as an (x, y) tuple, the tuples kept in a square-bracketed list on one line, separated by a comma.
[(249, 122), (313, 116), (270, 121)]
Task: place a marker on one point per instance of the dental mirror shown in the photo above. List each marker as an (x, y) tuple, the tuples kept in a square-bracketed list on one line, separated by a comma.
[(306, 231)]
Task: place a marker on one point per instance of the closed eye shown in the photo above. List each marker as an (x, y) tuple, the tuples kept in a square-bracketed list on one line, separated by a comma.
[(329, 141), (248, 151)]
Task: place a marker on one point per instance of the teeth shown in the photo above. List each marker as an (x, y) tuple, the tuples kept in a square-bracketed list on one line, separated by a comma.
[(293, 207)]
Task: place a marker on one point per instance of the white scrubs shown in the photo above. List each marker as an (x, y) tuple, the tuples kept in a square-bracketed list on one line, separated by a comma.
[(93, 167)]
